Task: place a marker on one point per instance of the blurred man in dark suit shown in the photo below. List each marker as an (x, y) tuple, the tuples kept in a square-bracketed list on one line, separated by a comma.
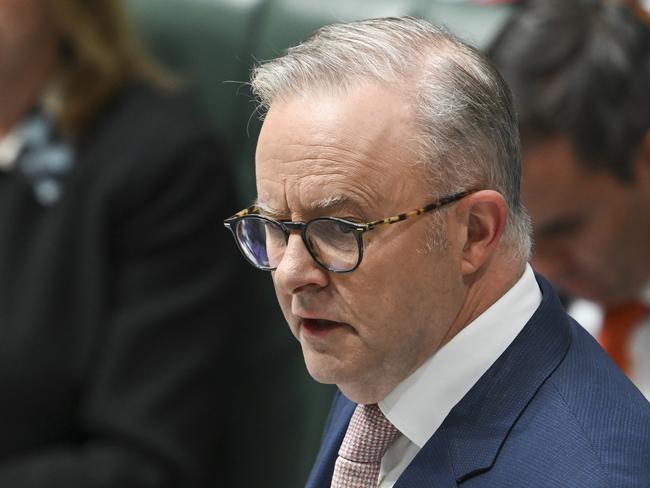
[(580, 73)]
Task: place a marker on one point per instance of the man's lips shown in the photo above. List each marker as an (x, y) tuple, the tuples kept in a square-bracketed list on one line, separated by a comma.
[(320, 327)]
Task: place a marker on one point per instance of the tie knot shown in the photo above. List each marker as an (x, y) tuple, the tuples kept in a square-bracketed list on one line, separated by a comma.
[(368, 436)]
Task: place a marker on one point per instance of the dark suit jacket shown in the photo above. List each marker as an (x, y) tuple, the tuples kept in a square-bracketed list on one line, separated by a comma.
[(117, 306), (552, 411)]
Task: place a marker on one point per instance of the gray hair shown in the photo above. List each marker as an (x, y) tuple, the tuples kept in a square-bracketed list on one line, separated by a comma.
[(468, 135)]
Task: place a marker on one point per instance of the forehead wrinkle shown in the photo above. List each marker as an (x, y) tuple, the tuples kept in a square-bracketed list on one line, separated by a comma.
[(352, 152), (315, 160), (346, 191), (348, 176), (326, 161), (353, 197)]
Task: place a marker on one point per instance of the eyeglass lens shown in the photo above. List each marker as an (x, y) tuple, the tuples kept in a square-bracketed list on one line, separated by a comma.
[(331, 243)]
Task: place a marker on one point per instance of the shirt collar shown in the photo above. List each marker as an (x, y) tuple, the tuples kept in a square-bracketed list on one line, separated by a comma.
[(12, 143), (420, 403), (10, 147)]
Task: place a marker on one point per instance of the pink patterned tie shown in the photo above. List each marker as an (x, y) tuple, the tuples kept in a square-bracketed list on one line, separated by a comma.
[(366, 440)]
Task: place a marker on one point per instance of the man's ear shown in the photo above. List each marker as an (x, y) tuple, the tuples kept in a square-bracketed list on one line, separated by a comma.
[(482, 217)]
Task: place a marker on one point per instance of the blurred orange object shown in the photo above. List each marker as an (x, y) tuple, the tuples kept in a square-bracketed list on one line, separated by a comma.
[(617, 329)]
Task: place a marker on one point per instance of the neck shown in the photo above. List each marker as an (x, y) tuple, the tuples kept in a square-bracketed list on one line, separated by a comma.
[(484, 289)]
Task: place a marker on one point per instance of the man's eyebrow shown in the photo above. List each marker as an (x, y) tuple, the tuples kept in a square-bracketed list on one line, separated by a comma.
[(268, 210), (324, 204), (330, 203)]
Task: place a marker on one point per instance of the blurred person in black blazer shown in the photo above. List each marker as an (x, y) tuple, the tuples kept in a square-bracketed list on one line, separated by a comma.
[(116, 301)]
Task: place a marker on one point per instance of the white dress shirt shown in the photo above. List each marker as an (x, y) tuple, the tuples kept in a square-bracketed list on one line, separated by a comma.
[(420, 403), (10, 147), (12, 142)]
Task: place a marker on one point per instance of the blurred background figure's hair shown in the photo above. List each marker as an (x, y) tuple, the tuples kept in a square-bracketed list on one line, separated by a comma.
[(99, 55), (581, 68)]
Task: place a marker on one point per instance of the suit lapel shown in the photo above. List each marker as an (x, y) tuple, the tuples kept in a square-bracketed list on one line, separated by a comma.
[(469, 440), (431, 468)]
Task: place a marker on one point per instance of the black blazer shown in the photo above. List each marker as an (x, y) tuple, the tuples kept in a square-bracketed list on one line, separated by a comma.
[(116, 308)]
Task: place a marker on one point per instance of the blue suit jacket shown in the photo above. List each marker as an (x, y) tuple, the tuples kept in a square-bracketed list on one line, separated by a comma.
[(552, 411)]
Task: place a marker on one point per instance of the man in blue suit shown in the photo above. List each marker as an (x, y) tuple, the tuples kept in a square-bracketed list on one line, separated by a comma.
[(388, 212)]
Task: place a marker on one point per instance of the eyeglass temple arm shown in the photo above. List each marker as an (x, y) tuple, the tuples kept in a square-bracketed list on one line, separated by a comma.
[(242, 213), (419, 211)]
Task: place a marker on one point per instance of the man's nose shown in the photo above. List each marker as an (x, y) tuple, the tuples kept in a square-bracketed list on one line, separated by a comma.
[(297, 270)]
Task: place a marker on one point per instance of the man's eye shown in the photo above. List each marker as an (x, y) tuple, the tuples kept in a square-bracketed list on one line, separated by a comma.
[(346, 229)]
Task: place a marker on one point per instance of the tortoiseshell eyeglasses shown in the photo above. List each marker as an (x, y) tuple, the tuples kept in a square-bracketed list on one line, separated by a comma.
[(335, 244)]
